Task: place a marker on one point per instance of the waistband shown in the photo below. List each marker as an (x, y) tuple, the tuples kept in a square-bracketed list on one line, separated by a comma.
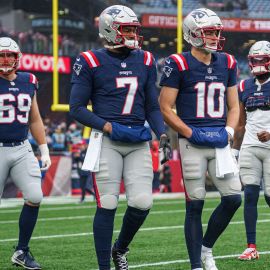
[(11, 144)]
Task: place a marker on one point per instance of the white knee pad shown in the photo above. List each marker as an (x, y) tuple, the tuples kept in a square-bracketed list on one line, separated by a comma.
[(109, 201), (34, 194), (197, 193), (142, 201)]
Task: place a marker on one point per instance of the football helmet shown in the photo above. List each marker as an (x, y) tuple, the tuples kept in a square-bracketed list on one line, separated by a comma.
[(195, 26), (7, 63), (259, 58), (111, 23)]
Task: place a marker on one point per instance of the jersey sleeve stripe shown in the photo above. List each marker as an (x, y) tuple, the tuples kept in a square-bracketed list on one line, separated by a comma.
[(242, 85), (90, 59), (33, 79), (148, 59), (180, 61), (231, 61)]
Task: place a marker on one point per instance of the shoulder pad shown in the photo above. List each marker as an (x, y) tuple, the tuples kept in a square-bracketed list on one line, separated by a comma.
[(148, 58), (231, 61), (91, 59), (180, 60)]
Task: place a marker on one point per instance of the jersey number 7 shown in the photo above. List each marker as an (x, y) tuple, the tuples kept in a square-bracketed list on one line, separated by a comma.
[(132, 83)]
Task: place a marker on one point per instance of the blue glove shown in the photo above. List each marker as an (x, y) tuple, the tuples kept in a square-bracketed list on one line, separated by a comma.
[(134, 134), (216, 137)]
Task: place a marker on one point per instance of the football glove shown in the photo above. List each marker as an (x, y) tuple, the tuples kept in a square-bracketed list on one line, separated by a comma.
[(45, 157), (165, 147)]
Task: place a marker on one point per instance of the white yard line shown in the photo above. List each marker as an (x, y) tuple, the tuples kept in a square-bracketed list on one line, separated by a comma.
[(117, 231), (187, 260), (153, 212)]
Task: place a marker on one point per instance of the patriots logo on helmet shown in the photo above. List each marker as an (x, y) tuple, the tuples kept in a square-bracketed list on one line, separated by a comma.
[(198, 14), (114, 11)]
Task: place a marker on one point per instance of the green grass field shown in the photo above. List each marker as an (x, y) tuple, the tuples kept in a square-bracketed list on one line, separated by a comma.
[(63, 238)]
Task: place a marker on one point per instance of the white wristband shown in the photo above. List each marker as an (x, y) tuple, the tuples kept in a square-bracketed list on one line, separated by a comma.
[(44, 150), (230, 130)]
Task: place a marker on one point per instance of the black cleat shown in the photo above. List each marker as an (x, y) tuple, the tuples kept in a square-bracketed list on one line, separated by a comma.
[(120, 258), (25, 259)]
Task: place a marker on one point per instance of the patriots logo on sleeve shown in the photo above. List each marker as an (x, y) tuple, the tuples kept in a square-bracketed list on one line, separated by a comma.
[(77, 68), (167, 71)]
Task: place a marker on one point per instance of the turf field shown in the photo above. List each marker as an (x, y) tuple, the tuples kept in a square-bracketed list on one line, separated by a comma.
[(63, 238)]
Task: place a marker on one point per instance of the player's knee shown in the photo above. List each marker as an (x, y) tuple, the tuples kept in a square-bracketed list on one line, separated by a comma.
[(196, 193), (231, 202), (109, 202), (194, 208), (267, 199), (251, 194), (142, 201), (35, 198)]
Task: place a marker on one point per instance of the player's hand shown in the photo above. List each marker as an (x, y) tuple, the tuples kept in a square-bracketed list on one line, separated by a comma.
[(45, 157), (230, 131), (235, 153), (263, 136), (107, 128), (164, 145)]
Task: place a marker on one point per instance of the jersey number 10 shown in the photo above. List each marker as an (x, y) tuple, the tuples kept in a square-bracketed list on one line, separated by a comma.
[(206, 99)]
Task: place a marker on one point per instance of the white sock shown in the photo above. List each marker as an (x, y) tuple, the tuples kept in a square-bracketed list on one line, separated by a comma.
[(206, 249), (197, 269)]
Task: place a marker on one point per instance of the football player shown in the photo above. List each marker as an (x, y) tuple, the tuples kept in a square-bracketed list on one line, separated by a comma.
[(253, 133), (119, 79), (202, 84), (19, 112)]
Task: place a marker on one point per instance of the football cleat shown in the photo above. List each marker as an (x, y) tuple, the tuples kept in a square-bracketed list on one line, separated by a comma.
[(208, 260), (120, 258), (25, 259), (249, 254)]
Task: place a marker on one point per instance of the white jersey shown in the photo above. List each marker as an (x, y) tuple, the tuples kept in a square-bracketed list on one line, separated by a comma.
[(255, 97), (257, 121)]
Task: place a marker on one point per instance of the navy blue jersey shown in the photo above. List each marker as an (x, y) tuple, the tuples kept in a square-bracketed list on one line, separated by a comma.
[(254, 96), (201, 100), (15, 105), (120, 87)]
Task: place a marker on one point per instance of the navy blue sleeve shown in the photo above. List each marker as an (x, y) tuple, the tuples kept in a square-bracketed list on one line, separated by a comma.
[(171, 75), (80, 95), (152, 109), (232, 76)]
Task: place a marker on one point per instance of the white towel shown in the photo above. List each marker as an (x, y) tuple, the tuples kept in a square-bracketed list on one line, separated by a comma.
[(91, 160), (225, 162)]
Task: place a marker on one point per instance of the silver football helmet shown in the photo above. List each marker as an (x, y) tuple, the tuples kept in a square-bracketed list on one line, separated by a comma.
[(8, 48), (259, 57), (199, 21), (111, 23)]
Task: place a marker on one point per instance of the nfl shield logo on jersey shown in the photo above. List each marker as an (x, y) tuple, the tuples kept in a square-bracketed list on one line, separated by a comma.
[(209, 70), (123, 65)]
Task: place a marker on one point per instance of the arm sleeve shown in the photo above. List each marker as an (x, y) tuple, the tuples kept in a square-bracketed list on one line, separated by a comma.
[(80, 95), (152, 109), (171, 76), (232, 80)]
